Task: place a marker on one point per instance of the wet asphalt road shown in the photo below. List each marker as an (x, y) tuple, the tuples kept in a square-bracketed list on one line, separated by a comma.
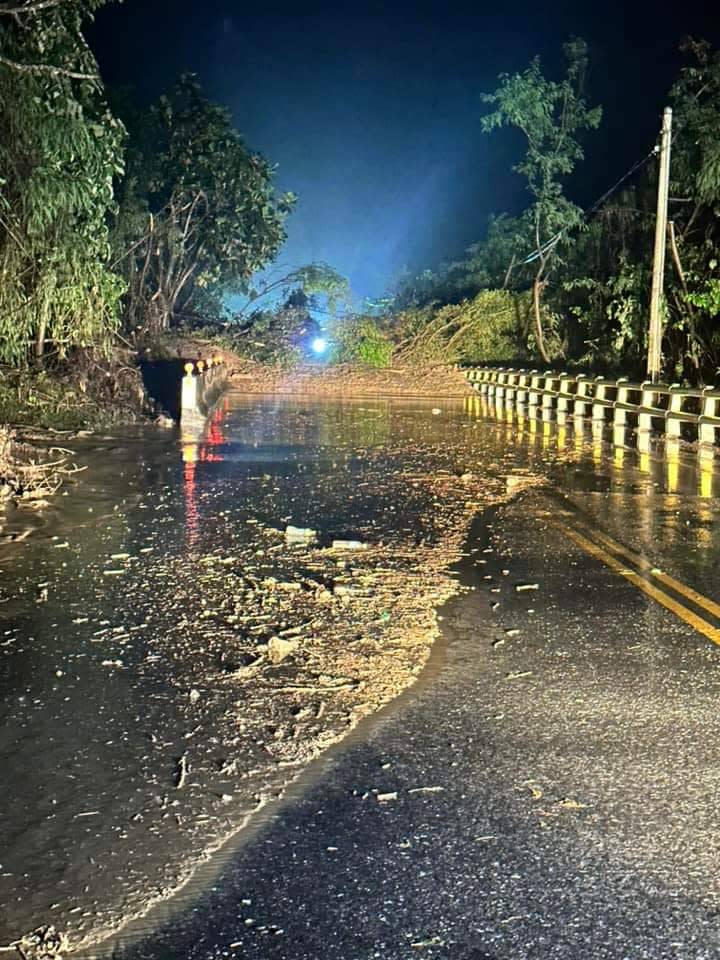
[(552, 791)]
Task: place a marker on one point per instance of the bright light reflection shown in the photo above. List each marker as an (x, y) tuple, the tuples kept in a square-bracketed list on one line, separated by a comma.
[(319, 345)]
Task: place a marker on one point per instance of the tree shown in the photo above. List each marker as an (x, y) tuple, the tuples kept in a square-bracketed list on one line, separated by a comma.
[(696, 98), (550, 115), (601, 288), (198, 208), (694, 229), (59, 50), (60, 148), (490, 326), (314, 280), (491, 263)]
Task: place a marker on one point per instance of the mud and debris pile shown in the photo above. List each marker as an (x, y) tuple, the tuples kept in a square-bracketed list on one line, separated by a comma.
[(30, 473), (349, 380), (324, 630), (319, 378)]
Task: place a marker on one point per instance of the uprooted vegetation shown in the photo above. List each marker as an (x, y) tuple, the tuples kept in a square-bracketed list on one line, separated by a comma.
[(491, 326), (38, 408)]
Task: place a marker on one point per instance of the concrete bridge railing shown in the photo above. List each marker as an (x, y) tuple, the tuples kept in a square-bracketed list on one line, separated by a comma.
[(202, 384), (650, 408)]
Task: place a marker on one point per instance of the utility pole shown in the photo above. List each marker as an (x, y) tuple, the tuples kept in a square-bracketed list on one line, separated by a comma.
[(655, 333)]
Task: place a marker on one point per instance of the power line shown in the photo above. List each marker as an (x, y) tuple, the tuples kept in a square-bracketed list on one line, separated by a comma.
[(550, 244), (608, 193)]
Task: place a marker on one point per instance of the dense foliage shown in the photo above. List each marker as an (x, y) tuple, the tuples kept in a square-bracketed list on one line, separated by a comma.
[(491, 326), (323, 287), (361, 339), (278, 320), (59, 151)]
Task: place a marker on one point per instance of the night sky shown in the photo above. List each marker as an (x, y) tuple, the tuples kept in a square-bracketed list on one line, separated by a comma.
[(372, 111)]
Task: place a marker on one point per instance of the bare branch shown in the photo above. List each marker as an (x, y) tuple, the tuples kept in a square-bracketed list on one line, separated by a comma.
[(32, 6), (49, 70), (188, 220), (510, 268)]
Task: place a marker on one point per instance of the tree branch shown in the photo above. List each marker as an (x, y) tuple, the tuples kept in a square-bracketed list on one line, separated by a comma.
[(510, 268), (200, 195), (48, 69), (181, 282), (676, 255), (32, 6), (285, 281)]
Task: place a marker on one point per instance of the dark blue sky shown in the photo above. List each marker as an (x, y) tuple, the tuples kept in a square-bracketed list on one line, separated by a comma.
[(371, 111)]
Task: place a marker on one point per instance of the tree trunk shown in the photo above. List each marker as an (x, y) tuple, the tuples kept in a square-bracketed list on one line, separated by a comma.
[(40, 339), (510, 268), (538, 285), (694, 340), (158, 312)]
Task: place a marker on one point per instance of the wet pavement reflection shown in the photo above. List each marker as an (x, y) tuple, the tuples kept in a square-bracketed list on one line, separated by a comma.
[(78, 673)]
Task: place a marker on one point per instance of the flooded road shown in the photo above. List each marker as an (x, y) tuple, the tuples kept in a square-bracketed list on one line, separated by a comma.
[(137, 623)]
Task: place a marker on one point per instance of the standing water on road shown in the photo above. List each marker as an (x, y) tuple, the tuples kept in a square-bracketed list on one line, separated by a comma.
[(170, 659)]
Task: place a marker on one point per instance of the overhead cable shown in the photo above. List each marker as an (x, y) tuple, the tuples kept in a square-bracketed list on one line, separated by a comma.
[(550, 244)]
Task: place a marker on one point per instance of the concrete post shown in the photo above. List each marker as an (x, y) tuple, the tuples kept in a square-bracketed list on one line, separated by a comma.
[(189, 391)]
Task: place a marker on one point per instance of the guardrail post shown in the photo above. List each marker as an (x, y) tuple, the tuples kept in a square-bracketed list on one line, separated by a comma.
[(521, 395), (709, 422), (511, 387), (536, 385), (551, 383), (202, 383), (583, 396), (493, 381), (189, 391)]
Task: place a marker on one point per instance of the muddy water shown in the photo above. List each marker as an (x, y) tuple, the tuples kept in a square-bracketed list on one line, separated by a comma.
[(102, 606)]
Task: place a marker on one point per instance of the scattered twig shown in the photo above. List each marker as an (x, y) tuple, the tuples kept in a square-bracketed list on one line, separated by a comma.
[(43, 943), (313, 687), (183, 770)]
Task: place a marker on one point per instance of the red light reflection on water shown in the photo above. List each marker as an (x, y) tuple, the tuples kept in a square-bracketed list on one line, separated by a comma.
[(199, 449), (215, 436), (192, 514)]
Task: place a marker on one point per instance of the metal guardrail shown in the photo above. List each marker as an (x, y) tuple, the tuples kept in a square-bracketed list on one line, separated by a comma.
[(202, 384), (650, 408)]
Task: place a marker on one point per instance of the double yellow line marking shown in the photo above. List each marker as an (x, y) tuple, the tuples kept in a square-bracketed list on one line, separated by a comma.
[(647, 578)]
